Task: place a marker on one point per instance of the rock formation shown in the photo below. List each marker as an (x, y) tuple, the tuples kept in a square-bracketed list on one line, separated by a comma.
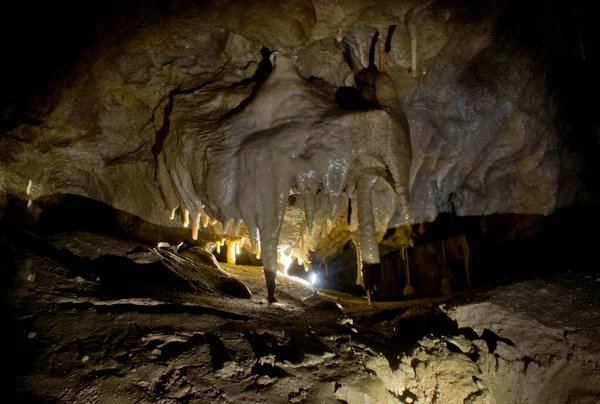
[(290, 117)]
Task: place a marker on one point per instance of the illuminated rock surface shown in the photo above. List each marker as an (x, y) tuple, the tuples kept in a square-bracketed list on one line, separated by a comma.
[(142, 142)]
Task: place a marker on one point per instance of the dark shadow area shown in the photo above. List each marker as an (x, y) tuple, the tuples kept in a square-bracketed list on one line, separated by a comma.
[(259, 77), (409, 329), (350, 98)]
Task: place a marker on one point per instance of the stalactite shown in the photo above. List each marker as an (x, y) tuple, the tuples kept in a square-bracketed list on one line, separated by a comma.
[(367, 233), (196, 225), (411, 25), (248, 176), (464, 244), (443, 253), (186, 218), (409, 290), (231, 251)]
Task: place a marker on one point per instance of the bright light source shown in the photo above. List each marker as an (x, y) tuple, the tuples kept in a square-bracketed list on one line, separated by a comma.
[(231, 251), (286, 259), (313, 278)]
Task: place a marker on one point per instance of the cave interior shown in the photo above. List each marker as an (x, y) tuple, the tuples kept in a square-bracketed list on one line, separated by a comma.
[(320, 201)]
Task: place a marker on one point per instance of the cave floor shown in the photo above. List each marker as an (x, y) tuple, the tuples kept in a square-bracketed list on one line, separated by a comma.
[(75, 340)]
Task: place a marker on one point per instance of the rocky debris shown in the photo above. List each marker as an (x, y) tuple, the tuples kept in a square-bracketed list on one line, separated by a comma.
[(108, 261), (500, 351), (72, 345)]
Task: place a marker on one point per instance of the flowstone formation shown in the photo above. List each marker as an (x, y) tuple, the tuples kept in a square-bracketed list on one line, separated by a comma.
[(290, 138), (315, 124)]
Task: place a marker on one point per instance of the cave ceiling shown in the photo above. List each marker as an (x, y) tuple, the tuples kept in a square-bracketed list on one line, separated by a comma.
[(308, 120)]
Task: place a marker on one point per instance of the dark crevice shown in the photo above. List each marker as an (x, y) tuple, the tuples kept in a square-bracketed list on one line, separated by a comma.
[(218, 352), (165, 308), (410, 330), (491, 339), (349, 218), (264, 70), (293, 350), (473, 397), (388, 41), (80, 348), (469, 333), (453, 347), (351, 60), (176, 348), (407, 396), (526, 361), (133, 155), (162, 133), (372, 49), (296, 394), (350, 98), (161, 384), (107, 372), (268, 370)]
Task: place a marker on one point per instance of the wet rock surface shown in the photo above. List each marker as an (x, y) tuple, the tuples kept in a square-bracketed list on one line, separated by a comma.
[(73, 341)]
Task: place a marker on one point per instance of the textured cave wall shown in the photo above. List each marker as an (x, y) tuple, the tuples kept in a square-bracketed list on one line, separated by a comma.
[(483, 123)]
